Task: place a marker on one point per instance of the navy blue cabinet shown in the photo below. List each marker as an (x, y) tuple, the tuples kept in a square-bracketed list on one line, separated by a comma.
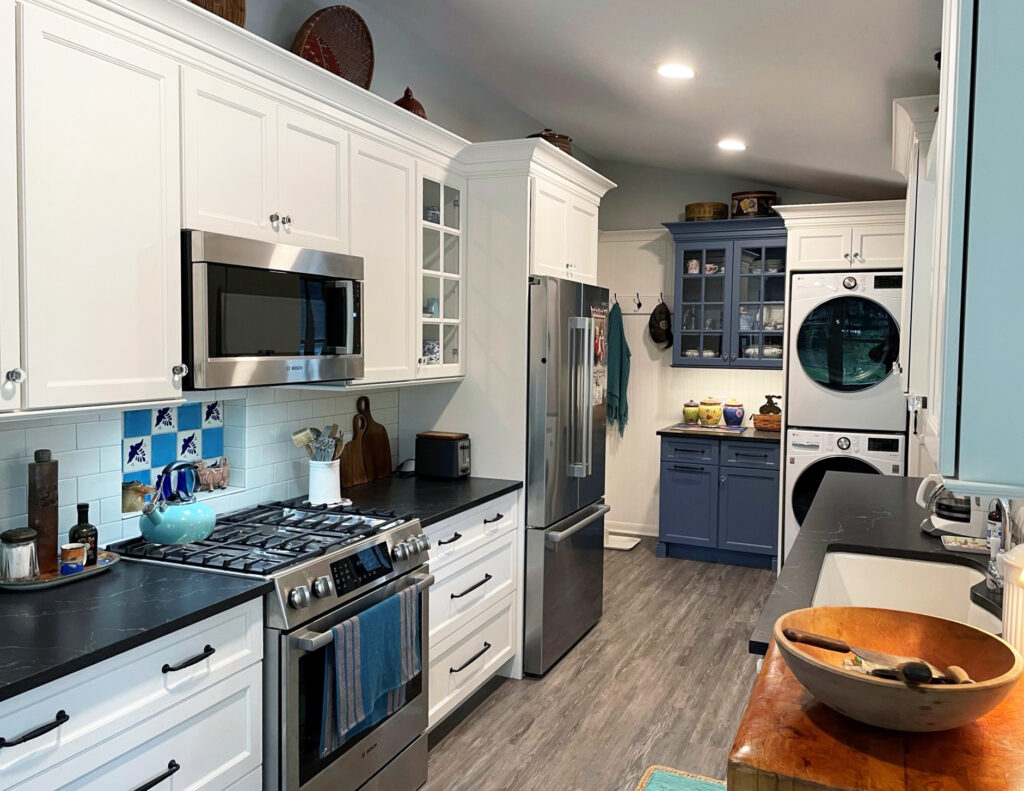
[(730, 285), (719, 500)]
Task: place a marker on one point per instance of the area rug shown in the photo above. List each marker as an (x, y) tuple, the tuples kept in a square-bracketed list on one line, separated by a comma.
[(663, 778)]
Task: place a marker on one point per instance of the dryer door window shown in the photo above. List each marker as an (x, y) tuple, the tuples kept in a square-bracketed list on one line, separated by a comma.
[(807, 484), (848, 344)]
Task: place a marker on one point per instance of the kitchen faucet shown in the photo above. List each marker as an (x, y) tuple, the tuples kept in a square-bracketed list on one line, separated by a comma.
[(1001, 539)]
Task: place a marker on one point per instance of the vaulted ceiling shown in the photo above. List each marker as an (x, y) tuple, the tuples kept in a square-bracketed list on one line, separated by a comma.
[(807, 84)]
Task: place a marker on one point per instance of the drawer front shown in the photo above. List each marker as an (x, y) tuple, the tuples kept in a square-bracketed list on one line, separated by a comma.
[(702, 451), (215, 739), (113, 696), (750, 454), (466, 588), (456, 537), (461, 664)]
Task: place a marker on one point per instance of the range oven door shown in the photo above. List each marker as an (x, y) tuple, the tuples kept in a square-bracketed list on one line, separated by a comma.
[(263, 314), (296, 733)]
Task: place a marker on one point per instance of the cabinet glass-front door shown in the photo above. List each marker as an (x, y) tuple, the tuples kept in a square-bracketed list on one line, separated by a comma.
[(760, 303), (705, 288), (442, 277)]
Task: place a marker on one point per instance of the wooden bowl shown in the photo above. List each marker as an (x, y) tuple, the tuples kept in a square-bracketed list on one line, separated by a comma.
[(994, 665)]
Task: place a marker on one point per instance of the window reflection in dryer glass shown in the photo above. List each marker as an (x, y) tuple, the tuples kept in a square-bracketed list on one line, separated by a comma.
[(848, 344), (807, 483)]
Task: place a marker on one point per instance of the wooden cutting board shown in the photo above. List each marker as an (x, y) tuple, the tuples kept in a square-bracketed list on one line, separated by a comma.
[(353, 467), (376, 445)]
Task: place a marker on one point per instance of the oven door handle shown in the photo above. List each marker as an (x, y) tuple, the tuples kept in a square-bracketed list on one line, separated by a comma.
[(313, 641)]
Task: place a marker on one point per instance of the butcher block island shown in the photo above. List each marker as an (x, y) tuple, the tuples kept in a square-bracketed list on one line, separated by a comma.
[(788, 741)]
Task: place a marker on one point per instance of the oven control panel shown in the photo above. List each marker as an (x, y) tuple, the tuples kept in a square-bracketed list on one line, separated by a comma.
[(355, 571)]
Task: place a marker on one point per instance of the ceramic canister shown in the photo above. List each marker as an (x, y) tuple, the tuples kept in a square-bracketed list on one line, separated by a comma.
[(733, 412), (691, 412), (710, 411)]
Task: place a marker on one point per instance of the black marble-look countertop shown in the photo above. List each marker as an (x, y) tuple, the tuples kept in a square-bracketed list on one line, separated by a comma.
[(749, 433), (855, 512), (47, 634), (431, 499)]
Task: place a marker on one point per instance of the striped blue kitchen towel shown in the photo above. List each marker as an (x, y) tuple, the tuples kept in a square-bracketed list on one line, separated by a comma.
[(372, 657)]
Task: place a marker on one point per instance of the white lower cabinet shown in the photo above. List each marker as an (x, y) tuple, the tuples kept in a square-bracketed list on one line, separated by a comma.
[(461, 664), (100, 215), (109, 710), (205, 743)]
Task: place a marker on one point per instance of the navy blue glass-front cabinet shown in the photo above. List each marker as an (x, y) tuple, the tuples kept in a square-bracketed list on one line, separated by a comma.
[(719, 500), (730, 285)]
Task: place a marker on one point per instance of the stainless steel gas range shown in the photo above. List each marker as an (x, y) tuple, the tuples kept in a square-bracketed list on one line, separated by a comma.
[(327, 564)]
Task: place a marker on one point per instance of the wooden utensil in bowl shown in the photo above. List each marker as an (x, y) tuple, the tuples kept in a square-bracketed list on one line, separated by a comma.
[(994, 665)]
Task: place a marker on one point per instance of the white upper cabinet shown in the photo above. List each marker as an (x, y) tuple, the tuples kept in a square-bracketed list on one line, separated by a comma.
[(100, 203), (837, 236), (564, 232), (260, 170), (10, 291), (383, 221)]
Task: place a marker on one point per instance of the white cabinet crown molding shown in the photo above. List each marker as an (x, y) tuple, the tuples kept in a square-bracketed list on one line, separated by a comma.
[(913, 121), (196, 28), (854, 213), (529, 156)]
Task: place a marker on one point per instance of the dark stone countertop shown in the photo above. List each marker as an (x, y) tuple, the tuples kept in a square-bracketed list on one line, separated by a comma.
[(432, 500), (47, 634), (855, 512), (749, 433)]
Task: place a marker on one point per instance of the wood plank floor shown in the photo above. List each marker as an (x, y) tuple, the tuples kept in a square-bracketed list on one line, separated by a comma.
[(662, 679)]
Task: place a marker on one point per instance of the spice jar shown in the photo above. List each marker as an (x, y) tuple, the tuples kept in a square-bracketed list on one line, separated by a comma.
[(18, 555)]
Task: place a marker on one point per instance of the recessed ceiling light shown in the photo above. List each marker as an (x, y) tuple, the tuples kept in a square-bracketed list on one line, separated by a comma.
[(675, 70), (732, 144)]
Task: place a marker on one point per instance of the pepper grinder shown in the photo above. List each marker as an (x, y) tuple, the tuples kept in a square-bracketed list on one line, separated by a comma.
[(42, 509)]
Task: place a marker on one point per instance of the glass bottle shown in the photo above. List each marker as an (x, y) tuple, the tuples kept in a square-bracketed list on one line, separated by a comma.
[(84, 533)]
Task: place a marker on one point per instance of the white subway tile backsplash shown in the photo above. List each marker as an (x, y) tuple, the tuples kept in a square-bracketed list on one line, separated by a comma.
[(97, 487), (67, 490), (110, 510), (56, 438), (282, 395), (260, 395), (74, 418), (299, 410), (74, 463), (246, 499), (255, 435), (271, 454), (110, 456), (259, 476), (289, 470), (96, 435), (13, 501), (234, 413)]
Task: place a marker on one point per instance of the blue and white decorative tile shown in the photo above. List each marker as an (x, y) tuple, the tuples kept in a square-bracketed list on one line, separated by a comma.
[(136, 423), (190, 445), (165, 449), (190, 416), (165, 420), (213, 414), (213, 443), (136, 454)]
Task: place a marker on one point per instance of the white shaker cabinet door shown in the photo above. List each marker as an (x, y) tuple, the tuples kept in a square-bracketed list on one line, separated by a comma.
[(582, 241), (10, 288), (383, 224), (100, 216), (550, 207), (312, 181), (821, 247), (878, 246), (230, 159)]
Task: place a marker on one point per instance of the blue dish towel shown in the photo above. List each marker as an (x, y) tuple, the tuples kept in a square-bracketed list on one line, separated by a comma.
[(370, 660)]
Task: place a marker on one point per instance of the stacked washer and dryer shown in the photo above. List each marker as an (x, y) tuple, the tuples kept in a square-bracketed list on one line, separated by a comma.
[(845, 408)]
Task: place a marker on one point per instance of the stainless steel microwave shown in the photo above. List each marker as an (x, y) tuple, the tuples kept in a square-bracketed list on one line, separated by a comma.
[(257, 313)]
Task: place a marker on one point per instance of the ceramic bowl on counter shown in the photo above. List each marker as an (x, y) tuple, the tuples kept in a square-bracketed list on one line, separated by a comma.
[(993, 665)]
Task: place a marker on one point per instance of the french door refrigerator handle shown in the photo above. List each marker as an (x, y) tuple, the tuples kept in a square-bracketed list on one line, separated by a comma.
[(556, 538), (577, 463), (588, 394)]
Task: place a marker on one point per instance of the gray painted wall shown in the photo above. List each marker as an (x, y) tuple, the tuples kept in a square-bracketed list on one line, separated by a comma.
[(647, 196)]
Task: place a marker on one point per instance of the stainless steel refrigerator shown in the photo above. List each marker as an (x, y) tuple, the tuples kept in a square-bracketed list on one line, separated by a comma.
[(565, 507)]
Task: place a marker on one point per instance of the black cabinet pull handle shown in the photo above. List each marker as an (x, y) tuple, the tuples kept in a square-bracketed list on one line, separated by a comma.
[(172, 767), (471, 660), (208, 651), (487, 578), (687, 469), (687, 450), (60, 719), (496, 518), (451, 540), (752, 455)]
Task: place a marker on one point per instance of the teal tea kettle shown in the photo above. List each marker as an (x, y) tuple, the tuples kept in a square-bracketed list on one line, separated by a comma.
[(174, 516)]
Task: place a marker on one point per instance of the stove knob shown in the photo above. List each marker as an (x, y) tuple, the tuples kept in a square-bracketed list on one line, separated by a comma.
[(322, 587), (299, 597), (400, 552), (422, 543), (843, 443)]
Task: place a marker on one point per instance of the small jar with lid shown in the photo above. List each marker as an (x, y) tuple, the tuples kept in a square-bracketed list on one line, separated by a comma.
[(691, 412), (18, 559)]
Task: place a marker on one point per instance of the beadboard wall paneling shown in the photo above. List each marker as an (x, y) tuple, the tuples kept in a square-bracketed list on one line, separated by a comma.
[(258, 424), (642, 261)]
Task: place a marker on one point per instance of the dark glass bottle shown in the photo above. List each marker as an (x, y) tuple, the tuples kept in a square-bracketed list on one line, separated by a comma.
[(84, 533)]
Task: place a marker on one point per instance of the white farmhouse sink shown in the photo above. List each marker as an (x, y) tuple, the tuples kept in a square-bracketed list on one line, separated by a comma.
[(944, 589)]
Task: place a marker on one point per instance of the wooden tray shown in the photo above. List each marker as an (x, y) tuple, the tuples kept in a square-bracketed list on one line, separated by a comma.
[(104, 562)]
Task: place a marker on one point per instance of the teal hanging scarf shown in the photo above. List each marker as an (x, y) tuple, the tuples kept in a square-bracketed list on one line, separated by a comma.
[(618, 370)]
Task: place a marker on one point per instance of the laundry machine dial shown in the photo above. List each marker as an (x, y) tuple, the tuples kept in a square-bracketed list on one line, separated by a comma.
[(843, 443), (850, 283)]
